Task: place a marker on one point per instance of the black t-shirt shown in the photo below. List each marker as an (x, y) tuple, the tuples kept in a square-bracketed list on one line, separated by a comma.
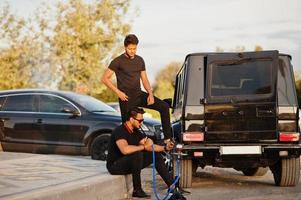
[(122, 133), (128, 73)]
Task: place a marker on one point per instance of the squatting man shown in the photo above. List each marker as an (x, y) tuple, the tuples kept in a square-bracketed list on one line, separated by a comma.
[(130, 151)]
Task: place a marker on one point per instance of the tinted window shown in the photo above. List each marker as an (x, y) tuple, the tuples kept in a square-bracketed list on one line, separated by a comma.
[(23, 103), (248, 78), (53, 104), (180, 86), (285, 84), (2, 100)]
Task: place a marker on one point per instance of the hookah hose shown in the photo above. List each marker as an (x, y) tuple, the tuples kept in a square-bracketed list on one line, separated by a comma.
[(172, 186), (177, 177)]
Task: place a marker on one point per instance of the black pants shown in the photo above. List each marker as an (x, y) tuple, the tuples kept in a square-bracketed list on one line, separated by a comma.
[(140, 100), (134, 163)]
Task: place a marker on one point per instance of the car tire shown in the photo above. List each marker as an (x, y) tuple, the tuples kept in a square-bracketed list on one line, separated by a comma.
[(185, 170), (286, 172), (99, 147), (194, 168), (257, 171)]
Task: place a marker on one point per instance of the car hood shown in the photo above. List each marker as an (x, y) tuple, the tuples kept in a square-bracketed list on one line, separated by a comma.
[(152, 121)]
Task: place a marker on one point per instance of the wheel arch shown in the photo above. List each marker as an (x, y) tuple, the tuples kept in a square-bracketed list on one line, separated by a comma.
[(95, 134), (99, 129)]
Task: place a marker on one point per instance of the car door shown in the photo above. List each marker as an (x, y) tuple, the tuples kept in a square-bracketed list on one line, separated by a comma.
[(57, 124), (241, 93), (17, 125)]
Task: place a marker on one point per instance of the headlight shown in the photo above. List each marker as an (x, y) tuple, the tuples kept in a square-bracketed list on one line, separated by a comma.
[(144, 127)]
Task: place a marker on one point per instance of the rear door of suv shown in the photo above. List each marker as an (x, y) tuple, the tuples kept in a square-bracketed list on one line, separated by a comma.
[(241, 97)]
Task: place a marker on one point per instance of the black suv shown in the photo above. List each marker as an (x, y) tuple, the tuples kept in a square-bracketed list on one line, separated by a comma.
[(238, 110), (60, 122)]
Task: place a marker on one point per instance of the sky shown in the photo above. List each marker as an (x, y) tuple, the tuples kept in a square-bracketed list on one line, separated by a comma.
[(168, 30)]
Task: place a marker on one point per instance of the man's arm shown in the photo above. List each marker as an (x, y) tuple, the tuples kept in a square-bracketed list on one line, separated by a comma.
[(147, 87), (127, 149), (106, 79), (145, 82), (147, 142)]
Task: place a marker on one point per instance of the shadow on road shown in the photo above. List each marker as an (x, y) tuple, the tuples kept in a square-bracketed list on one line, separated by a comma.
[(220, 177)]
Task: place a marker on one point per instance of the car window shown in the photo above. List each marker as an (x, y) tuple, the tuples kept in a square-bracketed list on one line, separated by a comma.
[(53, 104), (249, 78), (180, 86), (285, 83), (2, 100), (23, 103)]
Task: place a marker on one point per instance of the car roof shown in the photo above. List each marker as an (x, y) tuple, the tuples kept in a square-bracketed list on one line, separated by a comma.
[(46, 91), (216, 53)]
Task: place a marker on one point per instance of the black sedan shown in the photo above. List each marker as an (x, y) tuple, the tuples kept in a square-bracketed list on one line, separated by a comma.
[(59, 122)]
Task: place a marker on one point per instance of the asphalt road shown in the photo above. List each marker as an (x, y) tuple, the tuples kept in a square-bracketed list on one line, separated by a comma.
[(228, 184)]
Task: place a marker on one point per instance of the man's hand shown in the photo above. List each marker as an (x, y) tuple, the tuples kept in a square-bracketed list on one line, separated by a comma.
[(147, 142), (150, 99), (122, 96), (169, 146)]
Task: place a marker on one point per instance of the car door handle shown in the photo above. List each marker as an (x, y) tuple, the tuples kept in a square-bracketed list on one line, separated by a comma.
[(224, 113), (265, 111), (241, 112), (39, 121)]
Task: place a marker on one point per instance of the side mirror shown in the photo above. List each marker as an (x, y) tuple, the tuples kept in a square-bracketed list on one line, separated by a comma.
[(71, 111), (169, 102)]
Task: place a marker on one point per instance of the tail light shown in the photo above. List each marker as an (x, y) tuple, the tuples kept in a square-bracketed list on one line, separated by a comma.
[(289, 137), (193, 136)]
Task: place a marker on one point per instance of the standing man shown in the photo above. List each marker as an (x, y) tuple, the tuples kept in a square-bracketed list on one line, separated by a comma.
[(130, 151), (129, 68)]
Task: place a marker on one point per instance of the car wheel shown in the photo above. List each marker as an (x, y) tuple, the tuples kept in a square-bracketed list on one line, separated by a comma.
[(256, 171), (194, 168), (99, 147), (286, 172), (185, 170)]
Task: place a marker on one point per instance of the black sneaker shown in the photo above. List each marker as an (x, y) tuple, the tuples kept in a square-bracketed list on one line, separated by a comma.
[(177, 194), (140, 194), (182, 191)]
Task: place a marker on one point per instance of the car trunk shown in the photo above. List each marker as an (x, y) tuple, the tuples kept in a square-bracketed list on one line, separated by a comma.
[(241, 98)]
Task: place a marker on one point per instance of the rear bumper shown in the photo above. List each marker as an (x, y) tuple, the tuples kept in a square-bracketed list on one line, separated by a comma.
[(266, 149), (266, 154)]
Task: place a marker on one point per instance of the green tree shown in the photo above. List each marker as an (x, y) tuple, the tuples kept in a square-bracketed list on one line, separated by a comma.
[(164, 81), (238, 49), (18, 52), (68, 50), (258, 48), (85, 37)]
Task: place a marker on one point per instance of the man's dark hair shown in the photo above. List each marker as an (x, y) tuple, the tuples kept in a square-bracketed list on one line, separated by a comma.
[(130, 39), (133, 112)]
